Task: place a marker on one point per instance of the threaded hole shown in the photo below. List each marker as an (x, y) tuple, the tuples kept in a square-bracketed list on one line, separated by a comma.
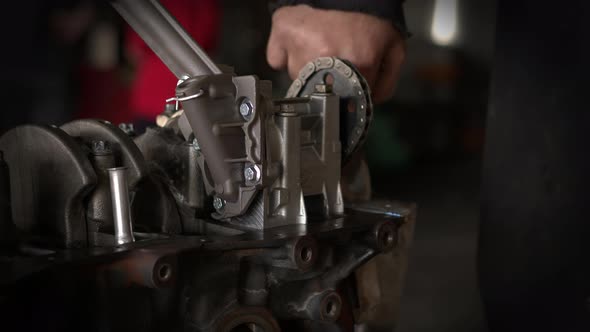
[(164, 272), (306, 254), (386, 237), (331, 308)]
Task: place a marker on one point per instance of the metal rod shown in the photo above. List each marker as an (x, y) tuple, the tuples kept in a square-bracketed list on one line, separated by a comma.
[(120, 200), (166, 38)]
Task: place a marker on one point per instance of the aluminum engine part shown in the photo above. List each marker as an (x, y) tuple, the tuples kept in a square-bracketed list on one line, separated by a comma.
[(356, 108)]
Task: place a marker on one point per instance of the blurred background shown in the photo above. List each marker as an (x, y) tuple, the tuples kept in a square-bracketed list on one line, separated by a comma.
[(69, 59)]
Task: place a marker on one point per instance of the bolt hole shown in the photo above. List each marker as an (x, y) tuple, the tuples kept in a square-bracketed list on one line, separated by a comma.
[(164, 272), (386, 237), (331, 308), (329, 79), (306, 254), (351, 106)]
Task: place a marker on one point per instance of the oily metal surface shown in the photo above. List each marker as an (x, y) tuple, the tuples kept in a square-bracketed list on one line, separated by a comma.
[(356, 107), (220, 237)]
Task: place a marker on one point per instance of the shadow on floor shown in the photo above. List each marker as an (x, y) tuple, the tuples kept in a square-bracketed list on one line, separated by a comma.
[(441, 291)]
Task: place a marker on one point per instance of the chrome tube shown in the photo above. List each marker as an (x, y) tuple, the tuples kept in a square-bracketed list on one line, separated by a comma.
[(175, 47), (120, 200)]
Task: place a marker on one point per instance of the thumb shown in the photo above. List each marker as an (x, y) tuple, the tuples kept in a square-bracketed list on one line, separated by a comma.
[(276, 54)]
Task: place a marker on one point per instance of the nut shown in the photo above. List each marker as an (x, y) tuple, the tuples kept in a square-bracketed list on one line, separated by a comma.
[(246, 108), (252, 173), (127, 128), (218, 203), (323, 88)]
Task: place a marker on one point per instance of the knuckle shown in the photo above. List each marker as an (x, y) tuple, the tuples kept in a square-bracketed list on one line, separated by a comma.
[(326, 50)]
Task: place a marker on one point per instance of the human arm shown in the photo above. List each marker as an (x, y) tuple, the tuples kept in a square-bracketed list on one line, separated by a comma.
[(370, 34)]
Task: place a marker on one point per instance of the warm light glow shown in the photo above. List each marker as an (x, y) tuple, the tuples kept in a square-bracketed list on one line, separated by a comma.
[(444, 22)]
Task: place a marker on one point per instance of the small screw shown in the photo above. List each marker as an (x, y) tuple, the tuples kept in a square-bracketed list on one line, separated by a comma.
[(323, 88), (252, 173), (218, 203), (169, 109), (100, 147), (246, 108), (127, 128)]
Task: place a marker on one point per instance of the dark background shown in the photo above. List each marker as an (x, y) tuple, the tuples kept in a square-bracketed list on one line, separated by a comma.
[(425, 145)]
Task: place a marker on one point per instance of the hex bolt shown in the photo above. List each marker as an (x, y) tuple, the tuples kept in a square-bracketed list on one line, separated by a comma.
[(218, 203), (252, 173), (249, 174), (246, 108), (100, 147), (127, 128), (169, 109), (323, 88)]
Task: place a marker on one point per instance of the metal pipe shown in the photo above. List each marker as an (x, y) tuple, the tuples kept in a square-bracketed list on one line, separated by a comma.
[(181, 54), (120, 201)]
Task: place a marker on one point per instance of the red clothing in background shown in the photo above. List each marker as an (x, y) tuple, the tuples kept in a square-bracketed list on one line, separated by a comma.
[(154, 83), (106, 94)]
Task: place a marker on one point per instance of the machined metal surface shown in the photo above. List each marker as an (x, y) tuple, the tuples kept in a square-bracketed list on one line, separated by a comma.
[(120, 203), (219, 276)]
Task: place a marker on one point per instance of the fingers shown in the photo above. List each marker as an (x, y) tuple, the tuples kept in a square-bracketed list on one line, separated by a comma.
[(297, 61), (301, 34), (276, 54), (294, 67), (389, 73), (280, 56)]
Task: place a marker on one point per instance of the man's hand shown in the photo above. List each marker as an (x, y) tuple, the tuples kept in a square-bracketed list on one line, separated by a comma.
[(301, 33)]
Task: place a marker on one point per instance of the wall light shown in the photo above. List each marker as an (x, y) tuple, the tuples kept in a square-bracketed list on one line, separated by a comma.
[(444, 22)]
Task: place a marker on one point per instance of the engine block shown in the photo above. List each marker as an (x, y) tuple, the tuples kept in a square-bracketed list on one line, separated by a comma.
[(226, 216)]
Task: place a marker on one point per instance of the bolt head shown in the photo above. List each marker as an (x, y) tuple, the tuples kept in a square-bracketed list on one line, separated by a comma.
[(169, 109), (323, 88), (246, 108), (101, 147), (249, 174), (127, 128), (218, 203), (252, 173)]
